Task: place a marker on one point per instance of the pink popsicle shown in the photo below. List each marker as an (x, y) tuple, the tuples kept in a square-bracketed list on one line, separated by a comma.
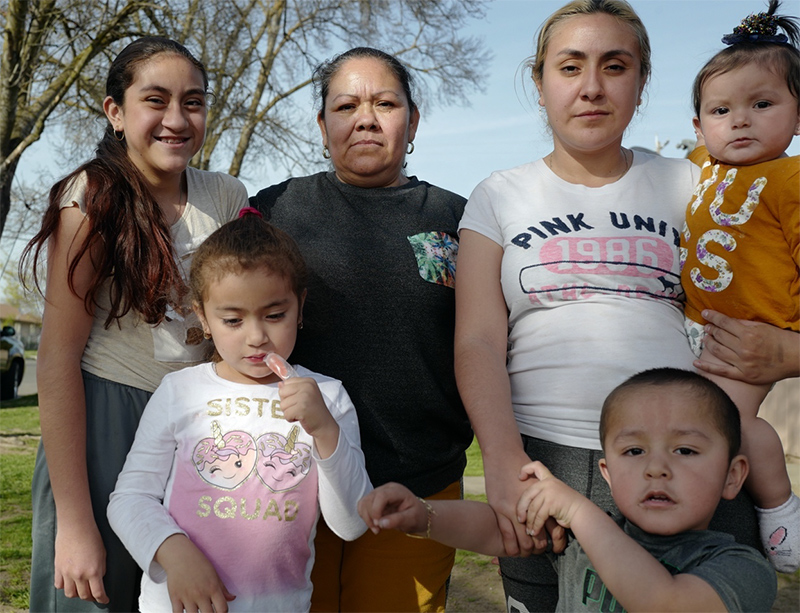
[(279, 366)]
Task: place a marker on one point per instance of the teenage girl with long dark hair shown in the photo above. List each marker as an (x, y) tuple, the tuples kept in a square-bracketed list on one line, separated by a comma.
[(119, 234)]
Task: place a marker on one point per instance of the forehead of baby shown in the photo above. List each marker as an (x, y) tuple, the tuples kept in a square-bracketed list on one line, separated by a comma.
[(747, 70), (656, 411), (747, 78)]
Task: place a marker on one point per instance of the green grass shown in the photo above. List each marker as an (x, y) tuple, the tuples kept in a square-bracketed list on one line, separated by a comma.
[(19, 432), (474, 461), (16, 420)]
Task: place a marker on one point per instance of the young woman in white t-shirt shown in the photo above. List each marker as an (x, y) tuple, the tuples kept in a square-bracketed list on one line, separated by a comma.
[(568, 280)]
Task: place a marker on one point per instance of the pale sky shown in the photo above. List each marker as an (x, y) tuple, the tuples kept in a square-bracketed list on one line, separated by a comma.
[(457, 147)]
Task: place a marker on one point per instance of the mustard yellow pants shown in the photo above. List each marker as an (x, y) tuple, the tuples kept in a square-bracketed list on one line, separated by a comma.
[(389, 571)]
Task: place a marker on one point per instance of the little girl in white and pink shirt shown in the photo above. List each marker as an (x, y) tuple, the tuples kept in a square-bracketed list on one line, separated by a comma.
[(220, 494)]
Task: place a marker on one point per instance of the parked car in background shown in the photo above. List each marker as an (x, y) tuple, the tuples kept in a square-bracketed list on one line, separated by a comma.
[(12, 363)]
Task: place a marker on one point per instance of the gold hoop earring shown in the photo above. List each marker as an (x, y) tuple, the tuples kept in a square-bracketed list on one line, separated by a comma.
[(207, 336), (325, 153), (410, 148), (119, 138)]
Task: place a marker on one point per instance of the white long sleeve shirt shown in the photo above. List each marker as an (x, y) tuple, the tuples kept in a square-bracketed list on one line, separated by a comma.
[(216, 460)]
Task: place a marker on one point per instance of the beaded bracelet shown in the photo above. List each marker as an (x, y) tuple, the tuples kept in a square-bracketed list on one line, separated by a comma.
[(431, 513)]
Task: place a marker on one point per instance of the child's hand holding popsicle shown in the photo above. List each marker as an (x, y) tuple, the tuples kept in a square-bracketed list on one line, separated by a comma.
[(301, 401)]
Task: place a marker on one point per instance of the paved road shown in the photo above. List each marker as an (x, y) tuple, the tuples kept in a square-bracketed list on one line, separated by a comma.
[(28, 385)]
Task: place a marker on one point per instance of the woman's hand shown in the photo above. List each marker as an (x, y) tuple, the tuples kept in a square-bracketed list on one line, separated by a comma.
[(481, 343), (753, 352), (503, 491), (80, 562)]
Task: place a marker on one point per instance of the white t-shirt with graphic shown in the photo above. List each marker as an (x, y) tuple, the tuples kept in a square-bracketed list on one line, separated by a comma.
[(591, 278), (241, 482)]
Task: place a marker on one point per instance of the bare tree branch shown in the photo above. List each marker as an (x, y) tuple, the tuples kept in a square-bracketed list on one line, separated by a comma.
[(39, 65), (260, 55)]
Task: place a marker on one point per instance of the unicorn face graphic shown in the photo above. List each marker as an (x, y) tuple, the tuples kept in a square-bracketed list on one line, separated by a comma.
[(227, 460), (282, 462)]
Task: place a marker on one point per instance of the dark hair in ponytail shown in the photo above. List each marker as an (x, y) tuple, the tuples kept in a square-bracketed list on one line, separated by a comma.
[(757, 40), (126, 225)]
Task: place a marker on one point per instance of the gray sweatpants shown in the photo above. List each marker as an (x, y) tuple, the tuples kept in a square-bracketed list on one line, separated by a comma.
[(531, 584), (113, 411)]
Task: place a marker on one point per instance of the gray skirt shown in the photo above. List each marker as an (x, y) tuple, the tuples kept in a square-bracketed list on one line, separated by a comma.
[(113, 411)]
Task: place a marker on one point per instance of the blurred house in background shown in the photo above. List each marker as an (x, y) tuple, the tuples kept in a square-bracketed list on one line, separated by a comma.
[(28, 327)]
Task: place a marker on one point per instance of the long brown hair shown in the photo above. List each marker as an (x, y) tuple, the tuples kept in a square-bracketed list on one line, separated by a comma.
[(125, 222)]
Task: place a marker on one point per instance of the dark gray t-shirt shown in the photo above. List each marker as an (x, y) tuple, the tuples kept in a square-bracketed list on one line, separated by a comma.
[(380, 316), (740, 575)]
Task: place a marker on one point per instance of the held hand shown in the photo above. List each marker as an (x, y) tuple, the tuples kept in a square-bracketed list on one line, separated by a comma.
[(80, 562), (192, 582), (754, 352), (557, 534), (503, 490), (393, 507), (546, 498), (301, 401)]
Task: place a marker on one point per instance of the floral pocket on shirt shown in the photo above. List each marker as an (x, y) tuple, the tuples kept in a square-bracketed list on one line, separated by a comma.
[(436, 254)]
